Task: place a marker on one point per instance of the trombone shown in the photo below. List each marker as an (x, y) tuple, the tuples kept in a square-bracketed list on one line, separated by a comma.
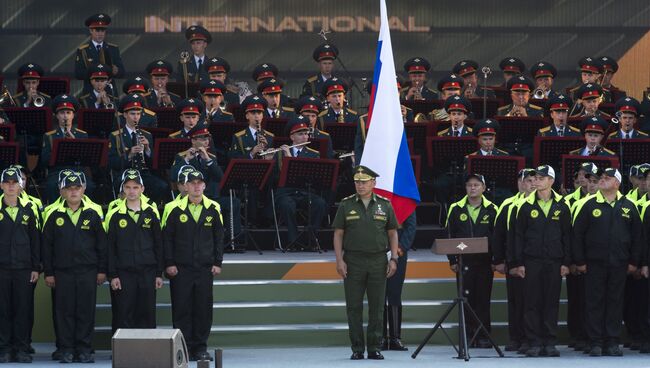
[(6, 96)]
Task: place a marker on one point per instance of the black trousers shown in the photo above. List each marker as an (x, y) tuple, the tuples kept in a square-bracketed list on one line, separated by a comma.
[(515, 291), (134, 306), (575, 288), (191, 292), (288, 201), (395, 283), (635, 311), (542, 286), (16, 301), (604, 290), (76, 296), (477, 280)]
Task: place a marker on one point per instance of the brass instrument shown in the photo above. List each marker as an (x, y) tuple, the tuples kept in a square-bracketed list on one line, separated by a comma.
[(440, 114), (539, 93), (341, 117), (417, 95), (515, 111), (468, 90), (39, 101), (185, 57), (260, 133), (6, 96), (274, 150), (162, 93)]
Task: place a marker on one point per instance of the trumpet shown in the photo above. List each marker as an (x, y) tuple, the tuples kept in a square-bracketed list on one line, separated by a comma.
[(162, 96), (417, 94), (468, 90), (39, 101), (274, 150), (539, 94), (6, 96)]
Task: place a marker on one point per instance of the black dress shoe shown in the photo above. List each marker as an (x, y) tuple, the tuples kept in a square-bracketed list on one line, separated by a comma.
[(204, 355), (384, 344), (396, 344), (22, 357), (67, 358), (375, 355), (86, 358), (356, 356), (612, 350), (57, 354), (30, 349)]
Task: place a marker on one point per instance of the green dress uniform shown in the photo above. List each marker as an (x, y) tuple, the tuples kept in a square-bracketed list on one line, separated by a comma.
[(365, 241)]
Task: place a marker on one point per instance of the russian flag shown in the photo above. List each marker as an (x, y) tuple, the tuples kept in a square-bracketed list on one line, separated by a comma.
[(386, 150)]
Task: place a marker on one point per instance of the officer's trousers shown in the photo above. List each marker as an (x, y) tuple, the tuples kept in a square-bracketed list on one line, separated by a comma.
[(16, 300), (191, 294), (604, 289), (366, 275), (135, 304), (477, 281), (76, 295), (542, 286)]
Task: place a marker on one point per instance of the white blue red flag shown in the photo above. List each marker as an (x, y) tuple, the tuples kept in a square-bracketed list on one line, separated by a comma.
[(386, 150)]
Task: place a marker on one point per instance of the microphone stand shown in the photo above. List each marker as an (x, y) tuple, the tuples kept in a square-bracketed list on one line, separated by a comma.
[(486, 71)]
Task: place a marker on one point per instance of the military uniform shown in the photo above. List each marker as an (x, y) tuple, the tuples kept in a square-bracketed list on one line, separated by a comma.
[(610, 66), (559, 102), (542, 246), (345, 115), (628, 105), (29, 71), (194, 71), (74, 252), (135, 257), (314, 84), (244, 141), (311, 104), (511, 66), (365, 240), (159, 68), (272, 86), (545, 69), (457, 103), (19, 257), (218, 114), (521, 84), (89, 100), (92, 53), (122, 141), (595, 125), (216, 67), (587, 91), (193, 243), (464, 69), (465, 221), (418, 65)]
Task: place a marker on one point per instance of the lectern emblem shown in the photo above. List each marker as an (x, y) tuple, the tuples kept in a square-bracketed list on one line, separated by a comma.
[(461, 246)]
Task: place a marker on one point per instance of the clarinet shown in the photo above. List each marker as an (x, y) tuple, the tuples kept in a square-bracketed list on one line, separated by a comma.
[(138, 162)]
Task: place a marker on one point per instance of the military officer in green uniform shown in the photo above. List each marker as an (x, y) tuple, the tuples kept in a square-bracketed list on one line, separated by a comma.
[(467, 69), (266, 71), (520, 88), (417, 69), (218, 69), (449, 86), (271, 90), (324, 55), (364, 227), (588, 98), (594, 129), (193, 69), (334, 91), (558, 107), (159, 72), (310, 107), (212, 94), (138, 85), (98, 51), (511, 67), (544, 74), (30, 76), (627, 110)]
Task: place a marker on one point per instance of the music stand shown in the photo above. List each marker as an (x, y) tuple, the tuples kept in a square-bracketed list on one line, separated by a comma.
[(570, 163), (81, 152), (441, 150), (158, 133), (237, 112), (222, 133), (498, 171), (423, 106), (518, 130), (179, 88), (419, 133), (165, 151), (630, 151), (97, 123), (459, 247), (52, 86), (30, 120), (8, 153), (8, 132), (167, 118), (549, 150), (245, 173), (342, 136), (492, 105), (275, 126), (309, 174)]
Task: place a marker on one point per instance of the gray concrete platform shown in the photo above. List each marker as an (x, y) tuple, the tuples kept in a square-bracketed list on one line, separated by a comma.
[(431, 356)]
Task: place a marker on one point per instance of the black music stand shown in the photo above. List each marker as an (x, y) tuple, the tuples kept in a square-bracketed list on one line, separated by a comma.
[(491, 104), (342, 136), (52, 86), (165, 151), (309, 174), (419, 132), (630, 151), (237, 112), (549, 150), (8, 132), (179, 88), (275, 126), (168, 117), (459, 247), (8, 153), (499, 171), (423, 106), (245, 173), (222, 133), (98, 123), (81, 152), (30, 121), (517, 130), (570, 163), (447, 155)]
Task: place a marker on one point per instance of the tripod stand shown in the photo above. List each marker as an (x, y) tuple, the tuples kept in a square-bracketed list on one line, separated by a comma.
[(459, 247)]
